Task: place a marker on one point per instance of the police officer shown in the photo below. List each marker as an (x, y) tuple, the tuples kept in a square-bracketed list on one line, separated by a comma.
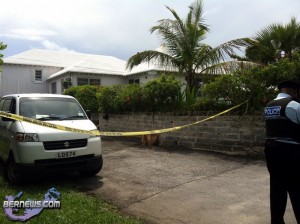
[(282, 150)]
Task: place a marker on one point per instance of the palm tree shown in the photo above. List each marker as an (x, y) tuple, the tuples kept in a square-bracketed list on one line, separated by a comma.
[(275, 41), (2, 47), (185, 50)]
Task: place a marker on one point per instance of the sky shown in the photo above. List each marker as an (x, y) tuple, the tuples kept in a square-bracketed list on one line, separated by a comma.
[(121, 28)]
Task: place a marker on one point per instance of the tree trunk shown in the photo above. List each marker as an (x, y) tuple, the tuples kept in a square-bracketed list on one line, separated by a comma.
[(189, 78)]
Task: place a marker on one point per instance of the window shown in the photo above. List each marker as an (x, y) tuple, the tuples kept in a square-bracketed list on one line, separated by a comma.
[(86, 81), (38, 75), (51, 108), (96, 82), (1, 104), (13, 106), (53, 87), (8, 105), (81, 81), (132, 81)]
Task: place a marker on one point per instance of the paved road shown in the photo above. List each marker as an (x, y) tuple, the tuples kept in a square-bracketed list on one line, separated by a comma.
[(174, 186)]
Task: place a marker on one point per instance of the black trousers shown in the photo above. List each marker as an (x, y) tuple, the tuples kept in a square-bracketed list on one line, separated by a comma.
[(283, 162)]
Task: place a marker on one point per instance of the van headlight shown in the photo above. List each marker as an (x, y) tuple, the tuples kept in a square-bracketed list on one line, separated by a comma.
[(27, 137)]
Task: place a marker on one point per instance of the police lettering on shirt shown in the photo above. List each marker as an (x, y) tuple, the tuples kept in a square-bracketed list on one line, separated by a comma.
[(273, 111)]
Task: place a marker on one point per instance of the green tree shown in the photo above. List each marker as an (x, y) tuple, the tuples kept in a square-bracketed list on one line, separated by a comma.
[(2, 47), (275, 41), (258, 85), (182, 41)]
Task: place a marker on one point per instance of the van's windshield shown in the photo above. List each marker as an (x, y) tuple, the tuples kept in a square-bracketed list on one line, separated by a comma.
[(51, 108)]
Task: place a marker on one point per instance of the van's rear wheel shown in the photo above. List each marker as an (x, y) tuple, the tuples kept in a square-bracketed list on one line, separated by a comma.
[(12, 171)]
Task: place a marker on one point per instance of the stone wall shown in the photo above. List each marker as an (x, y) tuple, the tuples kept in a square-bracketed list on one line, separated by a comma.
[(238, 135)]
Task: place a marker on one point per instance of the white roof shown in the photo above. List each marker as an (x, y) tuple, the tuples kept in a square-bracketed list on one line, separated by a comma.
[(70, 61), (78, 62)]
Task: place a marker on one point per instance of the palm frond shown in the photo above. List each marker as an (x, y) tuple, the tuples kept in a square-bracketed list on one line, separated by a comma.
[(229, 67), (229, 47), (177, 18), (208, 56), (273, 39), (157, 57), (197, 10)]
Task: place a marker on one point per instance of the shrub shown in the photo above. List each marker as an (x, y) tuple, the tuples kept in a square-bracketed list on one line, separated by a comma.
[(257, 85), (206, 104), (109, 99), (162, 94), (86, 95), (132, 97)]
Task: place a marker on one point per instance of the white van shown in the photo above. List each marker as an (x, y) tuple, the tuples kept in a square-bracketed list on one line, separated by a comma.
[(26, 147)]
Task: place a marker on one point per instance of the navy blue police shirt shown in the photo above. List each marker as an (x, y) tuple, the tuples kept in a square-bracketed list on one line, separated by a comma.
[(282, 117)]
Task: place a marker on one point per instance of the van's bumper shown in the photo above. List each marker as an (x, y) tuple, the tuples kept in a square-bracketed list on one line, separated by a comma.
[(86, 162)]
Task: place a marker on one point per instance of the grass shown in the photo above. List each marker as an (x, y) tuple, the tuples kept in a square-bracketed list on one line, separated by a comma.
[(76, 206)]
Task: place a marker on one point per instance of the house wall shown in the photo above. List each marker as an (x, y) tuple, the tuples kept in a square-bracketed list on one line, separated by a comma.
[(20, 78), (231, 134), (151, 75), (105, 80), (13, 74), (143, 77), (57, 81)]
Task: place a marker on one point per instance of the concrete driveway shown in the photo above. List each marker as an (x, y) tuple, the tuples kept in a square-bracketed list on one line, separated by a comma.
[(170, 186), (176, 186)]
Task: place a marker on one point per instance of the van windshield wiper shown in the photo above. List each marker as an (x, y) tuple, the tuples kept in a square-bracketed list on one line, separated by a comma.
[(49, 118), (73, 117)]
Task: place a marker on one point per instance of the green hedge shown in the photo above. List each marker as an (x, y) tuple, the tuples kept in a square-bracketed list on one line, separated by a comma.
[(162, 94), (86, 95)]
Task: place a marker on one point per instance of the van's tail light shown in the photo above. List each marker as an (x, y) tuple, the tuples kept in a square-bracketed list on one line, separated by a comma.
[(27, 137)]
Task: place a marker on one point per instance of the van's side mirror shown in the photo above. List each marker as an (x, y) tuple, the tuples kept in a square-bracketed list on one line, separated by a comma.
[(89, 114)]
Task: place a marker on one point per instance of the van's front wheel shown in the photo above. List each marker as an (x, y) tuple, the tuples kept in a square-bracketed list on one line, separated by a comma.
[(12, 171), (92, 171), (89, 173)]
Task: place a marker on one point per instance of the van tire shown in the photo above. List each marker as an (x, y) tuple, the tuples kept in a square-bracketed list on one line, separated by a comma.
[(12, 171), (90, 172)]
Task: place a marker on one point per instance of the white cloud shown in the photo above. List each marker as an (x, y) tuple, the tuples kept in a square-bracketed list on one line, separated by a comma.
[(50, 45), (29, 34), (121, 28)]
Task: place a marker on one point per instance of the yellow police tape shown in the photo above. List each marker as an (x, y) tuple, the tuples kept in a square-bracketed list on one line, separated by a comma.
[(100, 133)]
